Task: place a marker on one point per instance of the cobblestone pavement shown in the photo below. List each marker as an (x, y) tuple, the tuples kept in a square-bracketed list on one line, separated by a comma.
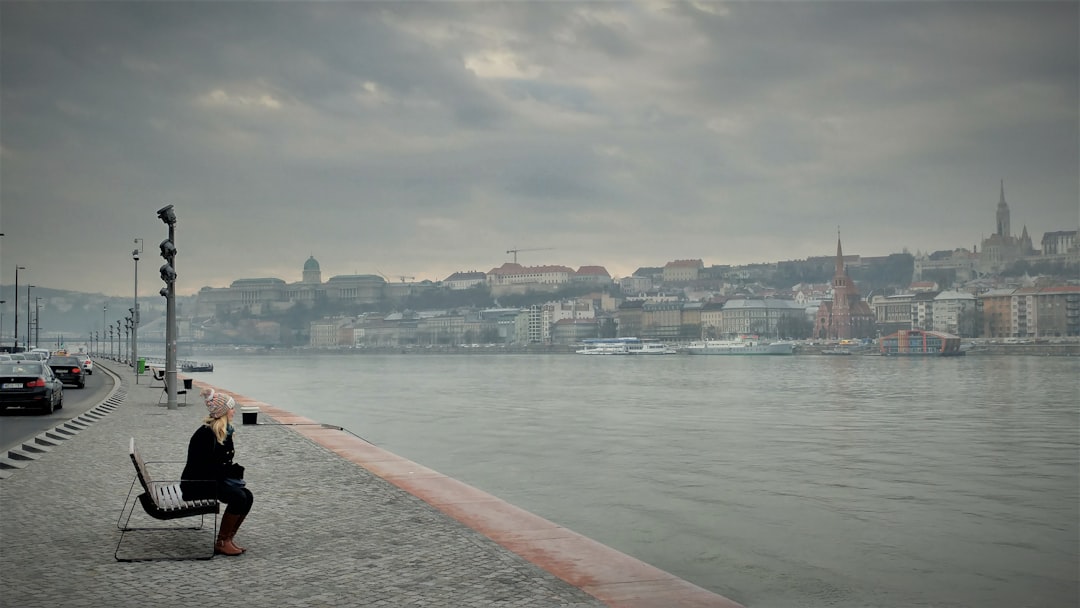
[(323, 531)]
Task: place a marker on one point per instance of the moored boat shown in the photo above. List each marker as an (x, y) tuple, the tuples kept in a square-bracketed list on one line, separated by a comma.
[(650, 347), (189, 366), (742, 345), (623, 346), (603, 346)]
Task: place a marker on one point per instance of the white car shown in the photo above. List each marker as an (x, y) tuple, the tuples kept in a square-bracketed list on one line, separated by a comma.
[(87, 363)]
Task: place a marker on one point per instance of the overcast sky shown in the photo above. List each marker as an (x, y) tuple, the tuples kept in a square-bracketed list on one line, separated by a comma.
[(419, 139)]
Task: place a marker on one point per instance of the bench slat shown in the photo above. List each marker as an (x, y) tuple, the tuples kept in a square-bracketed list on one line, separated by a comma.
[(164, 500)]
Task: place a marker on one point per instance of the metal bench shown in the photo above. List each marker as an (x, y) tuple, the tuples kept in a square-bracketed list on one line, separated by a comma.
[(161, 500)]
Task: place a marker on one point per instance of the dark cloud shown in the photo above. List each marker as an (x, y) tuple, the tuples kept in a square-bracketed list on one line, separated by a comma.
[(422, 138)]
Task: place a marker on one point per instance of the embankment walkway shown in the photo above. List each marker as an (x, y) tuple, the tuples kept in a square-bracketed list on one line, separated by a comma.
[(323, 531)]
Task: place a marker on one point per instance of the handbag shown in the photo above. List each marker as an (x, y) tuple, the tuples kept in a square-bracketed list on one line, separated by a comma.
[(234, 471), (234, 483)]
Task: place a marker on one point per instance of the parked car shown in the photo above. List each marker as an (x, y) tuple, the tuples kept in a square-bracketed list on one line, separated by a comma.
[(68, 369), (30, 384)]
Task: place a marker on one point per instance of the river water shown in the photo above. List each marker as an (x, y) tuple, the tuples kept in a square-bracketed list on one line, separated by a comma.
[(798, 481)]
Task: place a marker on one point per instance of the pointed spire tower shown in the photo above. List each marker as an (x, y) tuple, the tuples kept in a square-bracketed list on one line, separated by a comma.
[(1003, 228), (842, 289)]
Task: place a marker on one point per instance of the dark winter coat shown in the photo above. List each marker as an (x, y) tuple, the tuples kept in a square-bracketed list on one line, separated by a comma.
[(206, 460)]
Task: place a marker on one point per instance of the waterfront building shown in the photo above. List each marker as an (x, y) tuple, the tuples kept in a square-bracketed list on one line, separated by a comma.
[(712, 319), (922, 310), (628, 318), (1057, 311), (892, 313), (766, 317), (1032, 312), (955, 312), (663, 321), (996, 313), (572, 331)]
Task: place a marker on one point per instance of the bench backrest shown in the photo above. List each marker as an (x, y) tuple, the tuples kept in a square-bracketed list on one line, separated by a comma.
[(140, 468)]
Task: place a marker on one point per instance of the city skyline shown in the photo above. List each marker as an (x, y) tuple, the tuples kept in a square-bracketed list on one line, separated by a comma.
[(420, 140)]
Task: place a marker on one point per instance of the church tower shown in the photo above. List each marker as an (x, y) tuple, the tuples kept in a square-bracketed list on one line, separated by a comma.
[(842, 288), (847, 316), (1003, 229)]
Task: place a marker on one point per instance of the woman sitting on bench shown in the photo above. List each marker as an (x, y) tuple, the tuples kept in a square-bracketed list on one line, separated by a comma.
[(210, 456)]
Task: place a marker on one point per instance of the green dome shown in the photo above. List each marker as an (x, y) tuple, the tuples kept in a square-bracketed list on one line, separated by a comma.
[(311, 264)]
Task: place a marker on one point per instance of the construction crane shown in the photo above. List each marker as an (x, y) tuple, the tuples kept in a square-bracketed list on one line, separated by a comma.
[(515, 251)]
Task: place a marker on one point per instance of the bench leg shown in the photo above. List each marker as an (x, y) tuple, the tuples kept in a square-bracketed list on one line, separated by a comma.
[(124, 530), (126, 512)]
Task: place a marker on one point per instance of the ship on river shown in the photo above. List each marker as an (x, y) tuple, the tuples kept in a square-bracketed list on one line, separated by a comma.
[(741, 345)]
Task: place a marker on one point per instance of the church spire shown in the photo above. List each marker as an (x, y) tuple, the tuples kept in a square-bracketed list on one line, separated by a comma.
[(1003, 228), (839, 253)]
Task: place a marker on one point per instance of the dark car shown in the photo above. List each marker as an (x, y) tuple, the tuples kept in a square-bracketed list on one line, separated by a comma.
[(68, 369), (30, 384)]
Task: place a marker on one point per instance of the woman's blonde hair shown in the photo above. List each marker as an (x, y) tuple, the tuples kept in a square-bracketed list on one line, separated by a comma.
[(219, 425)]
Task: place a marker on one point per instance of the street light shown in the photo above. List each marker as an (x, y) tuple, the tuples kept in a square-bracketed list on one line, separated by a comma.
[(17, 269), (168, 275), (135, 312), (104, 308), (127, 340), (28, 288), (2, 302), (37, 321)]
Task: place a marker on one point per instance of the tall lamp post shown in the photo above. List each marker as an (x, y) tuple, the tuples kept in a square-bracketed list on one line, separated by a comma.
[(2, 302), (17, 269), (104, 309), (119, 348), (127, 340), (135, 312), (28, 288), (37, 321), (109, 332), (168, 275)]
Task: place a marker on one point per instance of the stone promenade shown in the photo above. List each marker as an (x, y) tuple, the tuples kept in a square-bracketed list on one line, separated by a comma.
[(336, 522)]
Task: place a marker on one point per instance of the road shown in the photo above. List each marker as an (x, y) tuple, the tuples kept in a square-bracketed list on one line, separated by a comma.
[(17, 426)]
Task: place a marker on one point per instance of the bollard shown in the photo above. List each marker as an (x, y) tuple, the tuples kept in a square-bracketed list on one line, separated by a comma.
[(250, 414)]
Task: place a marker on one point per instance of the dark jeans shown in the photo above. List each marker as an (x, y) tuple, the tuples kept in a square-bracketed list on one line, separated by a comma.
[(237, 500)]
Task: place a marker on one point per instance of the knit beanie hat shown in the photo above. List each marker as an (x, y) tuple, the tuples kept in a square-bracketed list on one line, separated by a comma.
[(218, 404)]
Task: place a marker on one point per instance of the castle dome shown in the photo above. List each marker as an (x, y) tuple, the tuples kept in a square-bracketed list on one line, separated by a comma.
[(311, 264)]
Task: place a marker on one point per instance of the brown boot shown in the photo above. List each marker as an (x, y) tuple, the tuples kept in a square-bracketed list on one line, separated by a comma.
[(233, 539), (224, 544)]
